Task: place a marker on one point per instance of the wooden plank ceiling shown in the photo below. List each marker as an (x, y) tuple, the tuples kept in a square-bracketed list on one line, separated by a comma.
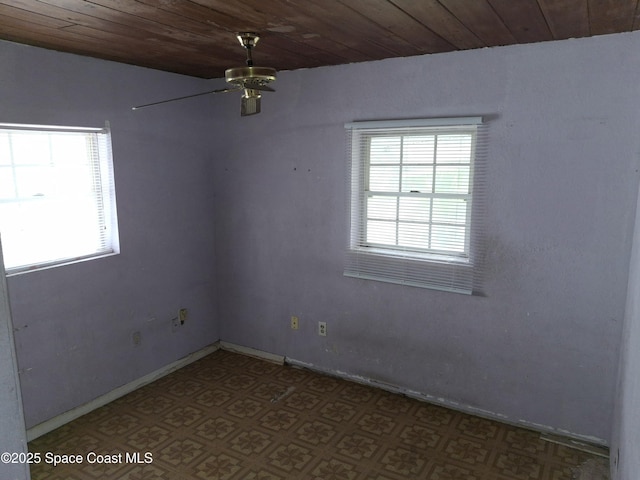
[(196, 37)]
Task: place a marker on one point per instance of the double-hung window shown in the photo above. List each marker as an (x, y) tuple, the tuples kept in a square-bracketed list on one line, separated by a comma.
[(412, 202), (57, 198)]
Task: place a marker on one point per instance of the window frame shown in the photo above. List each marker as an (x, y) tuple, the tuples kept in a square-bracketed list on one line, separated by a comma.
[(426, 268), (99, 157)]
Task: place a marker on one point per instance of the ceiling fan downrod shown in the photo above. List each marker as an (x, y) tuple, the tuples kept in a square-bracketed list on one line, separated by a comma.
[(248, 40)]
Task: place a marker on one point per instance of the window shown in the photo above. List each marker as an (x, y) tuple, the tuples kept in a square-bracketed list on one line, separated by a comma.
[(57, 199), (412, 202)]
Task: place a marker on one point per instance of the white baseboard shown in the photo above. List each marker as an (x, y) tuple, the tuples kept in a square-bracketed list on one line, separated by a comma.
[(66, 417), (252, 352), (542, 429), (58, 421)]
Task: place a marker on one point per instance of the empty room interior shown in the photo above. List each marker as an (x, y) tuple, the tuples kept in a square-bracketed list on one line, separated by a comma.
[(256, 244)]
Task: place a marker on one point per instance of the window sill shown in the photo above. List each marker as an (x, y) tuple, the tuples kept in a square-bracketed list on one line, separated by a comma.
[(435, 272), (417, 256), (12, 272)]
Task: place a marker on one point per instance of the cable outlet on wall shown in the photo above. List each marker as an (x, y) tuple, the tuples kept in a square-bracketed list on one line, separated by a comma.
[(294, 323), (322, 329)]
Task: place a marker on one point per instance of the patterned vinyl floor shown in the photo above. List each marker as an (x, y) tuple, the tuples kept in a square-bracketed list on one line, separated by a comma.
[(233, 417)]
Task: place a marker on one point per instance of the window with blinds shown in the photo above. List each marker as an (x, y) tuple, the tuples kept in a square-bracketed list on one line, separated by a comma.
[(57, 196), (412, 202)]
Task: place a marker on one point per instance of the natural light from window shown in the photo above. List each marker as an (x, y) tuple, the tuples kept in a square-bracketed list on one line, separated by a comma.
[(418, 192), (57, 202)]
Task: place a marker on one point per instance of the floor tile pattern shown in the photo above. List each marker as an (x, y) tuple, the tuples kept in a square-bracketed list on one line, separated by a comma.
[(233, 417)]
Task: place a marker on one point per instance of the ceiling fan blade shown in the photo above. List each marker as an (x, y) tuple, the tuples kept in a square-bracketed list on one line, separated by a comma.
[(220, 90)]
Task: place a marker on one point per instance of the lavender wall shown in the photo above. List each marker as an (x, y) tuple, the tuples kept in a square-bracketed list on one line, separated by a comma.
[(541, 346), (74, 324), (625, 454)]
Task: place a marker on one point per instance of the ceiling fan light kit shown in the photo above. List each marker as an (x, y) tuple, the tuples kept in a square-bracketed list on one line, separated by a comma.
[(251, 80)]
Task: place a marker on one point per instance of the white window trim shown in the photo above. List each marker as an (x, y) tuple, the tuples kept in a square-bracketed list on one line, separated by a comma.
[(107, 196), (447, 272)]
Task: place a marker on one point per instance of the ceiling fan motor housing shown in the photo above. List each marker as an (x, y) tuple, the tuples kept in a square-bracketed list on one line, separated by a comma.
[(247, 77)]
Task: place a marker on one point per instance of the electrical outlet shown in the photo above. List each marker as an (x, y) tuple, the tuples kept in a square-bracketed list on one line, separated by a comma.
[(322, 329), (182, 315), (294, 323)]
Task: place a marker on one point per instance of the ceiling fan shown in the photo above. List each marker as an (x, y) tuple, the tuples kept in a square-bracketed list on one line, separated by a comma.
[(249, 79)]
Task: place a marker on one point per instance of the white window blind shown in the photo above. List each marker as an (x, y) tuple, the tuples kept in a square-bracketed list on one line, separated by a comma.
[(57, 196), (414, 189)]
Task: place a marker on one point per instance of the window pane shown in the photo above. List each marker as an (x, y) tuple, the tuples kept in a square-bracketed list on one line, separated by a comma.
[(30, 148), (66, 214), (452, 179), (5, 151), (385, 150), (33, 181), (67, 149), (74, 181), (454, 149), (413, 235), (59, 212), (382, 208), (384, 178), (417, 179), (448, 238), (449, 210), (381, 232), (7, 189), (415, 209), (418, 149)]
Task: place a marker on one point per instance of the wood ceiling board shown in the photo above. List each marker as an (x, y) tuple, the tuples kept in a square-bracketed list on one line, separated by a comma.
[(524, 19), (72, 43), (566, 18), (391, 18), (104, 18), (9, 11), (481, 19), (142, 46), (335, 21), (245, 13), (200, 32), (206, 21), (76, 17), (289, 53), (132, 48), (281, 18), (319, 42), (611, 16), (195, 37), (438, 19), (152, 38)]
